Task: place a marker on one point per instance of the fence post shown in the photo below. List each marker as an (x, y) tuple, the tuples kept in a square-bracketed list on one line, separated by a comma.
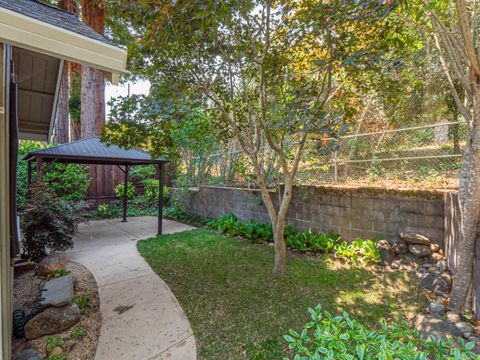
[(335, 179)]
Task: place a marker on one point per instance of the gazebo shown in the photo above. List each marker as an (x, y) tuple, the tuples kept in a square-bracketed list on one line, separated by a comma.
[(91, 151)]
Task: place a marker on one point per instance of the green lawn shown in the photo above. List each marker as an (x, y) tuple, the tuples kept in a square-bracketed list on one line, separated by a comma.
[(238, 310)]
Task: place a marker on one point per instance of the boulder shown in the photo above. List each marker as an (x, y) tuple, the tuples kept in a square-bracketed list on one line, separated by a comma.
[(436, 308), (436, 283), (464, 327), (27, 354), (52, 321), (435, 248), (454, 317), (442, 265), (400, 248), (420, 251), (412, 238), (57, 292), (436, 327), (387, 254), (55, 261)]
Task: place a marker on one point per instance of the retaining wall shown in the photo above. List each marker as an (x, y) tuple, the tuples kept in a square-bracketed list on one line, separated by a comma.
[(351, 212)]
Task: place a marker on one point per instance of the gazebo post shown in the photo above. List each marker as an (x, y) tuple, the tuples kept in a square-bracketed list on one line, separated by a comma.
[(39, 168), (125, 195), (160, 198)]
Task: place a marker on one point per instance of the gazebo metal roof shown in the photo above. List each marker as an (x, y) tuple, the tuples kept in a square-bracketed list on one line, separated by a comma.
[(93, 152)]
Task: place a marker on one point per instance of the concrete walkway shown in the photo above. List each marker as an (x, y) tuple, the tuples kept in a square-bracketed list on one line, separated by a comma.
[(142, 319)]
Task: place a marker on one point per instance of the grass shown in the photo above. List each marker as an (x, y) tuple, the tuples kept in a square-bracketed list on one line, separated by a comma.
[(239, 310)]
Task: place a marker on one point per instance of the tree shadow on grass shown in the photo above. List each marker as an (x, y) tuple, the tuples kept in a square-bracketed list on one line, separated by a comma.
[(238, 309)]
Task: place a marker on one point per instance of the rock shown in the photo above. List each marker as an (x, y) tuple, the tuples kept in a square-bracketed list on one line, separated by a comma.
[(454, 317), (57, 292), (395, 266), (400, 247), (436, 257), (437, 283), (427, 265), (464, 327), (57, 350), (416, 239), (27, 354), (387, 254), (52, 321), (436, 308), (435, 248), (467, 335), (442, 265), (420, 251), (435, 326), (55, 261)]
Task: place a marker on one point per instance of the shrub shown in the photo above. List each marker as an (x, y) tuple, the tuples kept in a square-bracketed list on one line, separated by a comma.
[(78, 333), (53, 342), (344, 338), (310, 241), (176, 213), (143, 172), (119, 192), (58, 273), (67, 181), (83, 302), (359, 250), (151, 189), (49, 223)]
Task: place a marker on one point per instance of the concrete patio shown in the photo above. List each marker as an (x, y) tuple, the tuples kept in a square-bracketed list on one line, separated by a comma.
[(142, 319)]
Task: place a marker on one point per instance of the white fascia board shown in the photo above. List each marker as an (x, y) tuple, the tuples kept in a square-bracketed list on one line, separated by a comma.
[(31, 34)]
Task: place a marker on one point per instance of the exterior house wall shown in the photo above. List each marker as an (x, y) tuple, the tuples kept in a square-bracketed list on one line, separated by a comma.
[(351, 212), (5, 265)]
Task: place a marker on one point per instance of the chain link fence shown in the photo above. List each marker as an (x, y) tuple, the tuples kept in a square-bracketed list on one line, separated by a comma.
[(421, 156)]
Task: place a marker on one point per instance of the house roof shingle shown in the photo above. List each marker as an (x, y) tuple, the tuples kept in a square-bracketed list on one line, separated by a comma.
[(92, 151), (53, 16)]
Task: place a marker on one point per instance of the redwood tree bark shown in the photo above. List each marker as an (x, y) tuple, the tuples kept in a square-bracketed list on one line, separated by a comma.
[(93, 81), (62, 112)]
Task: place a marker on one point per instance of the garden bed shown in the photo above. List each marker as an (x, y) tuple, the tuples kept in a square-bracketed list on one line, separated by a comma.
[(82, 344), (238, 309)]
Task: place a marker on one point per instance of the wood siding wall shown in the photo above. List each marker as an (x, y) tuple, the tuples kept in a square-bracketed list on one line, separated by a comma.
[(5, 264)]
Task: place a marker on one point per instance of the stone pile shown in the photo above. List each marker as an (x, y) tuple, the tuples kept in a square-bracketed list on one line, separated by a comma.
[(58, 313)]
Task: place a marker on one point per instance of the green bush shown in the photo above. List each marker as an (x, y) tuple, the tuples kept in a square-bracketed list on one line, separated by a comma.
[(67, 181), (119, 192), (107, 211), (310, 241), (84, 302), (151, 189), (359, 250), (49, 223), (176, 213), (343, 338), (78, 333)]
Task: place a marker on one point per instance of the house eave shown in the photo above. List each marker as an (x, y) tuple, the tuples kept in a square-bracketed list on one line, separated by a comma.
[(31, 34)]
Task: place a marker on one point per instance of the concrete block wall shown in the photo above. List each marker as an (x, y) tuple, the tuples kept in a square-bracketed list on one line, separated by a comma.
[(351, 212)]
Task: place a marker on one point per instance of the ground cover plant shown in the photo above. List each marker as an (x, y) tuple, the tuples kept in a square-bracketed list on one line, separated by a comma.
[(344, 338), (239, 310), (359, 250)]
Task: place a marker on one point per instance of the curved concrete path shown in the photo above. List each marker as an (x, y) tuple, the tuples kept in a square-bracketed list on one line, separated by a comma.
[(142, 319)]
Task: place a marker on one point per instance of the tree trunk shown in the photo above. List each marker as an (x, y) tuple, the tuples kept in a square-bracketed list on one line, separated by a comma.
[(93, 82), (455, 132), (469, 201), (62, 112)]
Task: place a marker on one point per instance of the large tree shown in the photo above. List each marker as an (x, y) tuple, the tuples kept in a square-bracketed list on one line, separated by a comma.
[(93, 80), (274, 72), (454, 26)]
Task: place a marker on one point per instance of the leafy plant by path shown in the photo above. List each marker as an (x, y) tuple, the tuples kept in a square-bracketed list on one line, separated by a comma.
[(53, 342), (343, 338), (239, 310), (78, 333)]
